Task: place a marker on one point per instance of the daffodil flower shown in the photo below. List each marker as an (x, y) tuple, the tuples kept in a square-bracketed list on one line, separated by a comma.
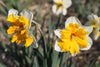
[(61, 6), (94, 21), (74, 37), (20, 26)]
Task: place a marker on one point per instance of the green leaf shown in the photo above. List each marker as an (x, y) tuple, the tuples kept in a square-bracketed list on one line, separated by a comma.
[(38, 13), (66, 64), (45, 51), (3, 10), (50, 25), (54, 58), (23, 61), (28, 59), (3, 31), (73, 65), (56, 25), (2, 65), (45, 62), (62, 59), (16, 62), (50, 30), (40, 51), (3, 45), (36, 64), (44, 45)]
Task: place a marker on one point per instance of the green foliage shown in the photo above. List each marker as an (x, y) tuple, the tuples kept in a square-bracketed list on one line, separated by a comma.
[(16, 4)]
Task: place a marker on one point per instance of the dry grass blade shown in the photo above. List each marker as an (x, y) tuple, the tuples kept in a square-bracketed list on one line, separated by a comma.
[(38, 26), (2, 3)]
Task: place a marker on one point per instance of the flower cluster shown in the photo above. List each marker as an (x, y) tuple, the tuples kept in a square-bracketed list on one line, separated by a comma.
[(19, 28), (74, 38)]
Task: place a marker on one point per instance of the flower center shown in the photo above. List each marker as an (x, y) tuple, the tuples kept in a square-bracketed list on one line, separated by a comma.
[(73, 37), (59, 4)]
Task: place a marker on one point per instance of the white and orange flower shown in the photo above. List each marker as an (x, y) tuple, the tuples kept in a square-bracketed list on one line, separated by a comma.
[(20, 26), (94, 21), (74, 37)]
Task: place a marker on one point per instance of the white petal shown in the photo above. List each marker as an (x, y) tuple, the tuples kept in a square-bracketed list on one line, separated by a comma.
[(64, 11), (95, 33), (72, 20), (27, 14), (67, 3), (56, 47), (89, 44), (54, 8), (12, 11), (57, 32), (88, 28), (93, 17), (59, 11)]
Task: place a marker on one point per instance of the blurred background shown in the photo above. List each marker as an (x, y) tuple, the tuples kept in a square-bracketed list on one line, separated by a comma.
[(12, 55)]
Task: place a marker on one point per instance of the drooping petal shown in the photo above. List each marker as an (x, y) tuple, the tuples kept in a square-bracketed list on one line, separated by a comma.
[(72, 20), (57, 32), (94, 21), (93, 17), (12, 11), (56, 47)]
